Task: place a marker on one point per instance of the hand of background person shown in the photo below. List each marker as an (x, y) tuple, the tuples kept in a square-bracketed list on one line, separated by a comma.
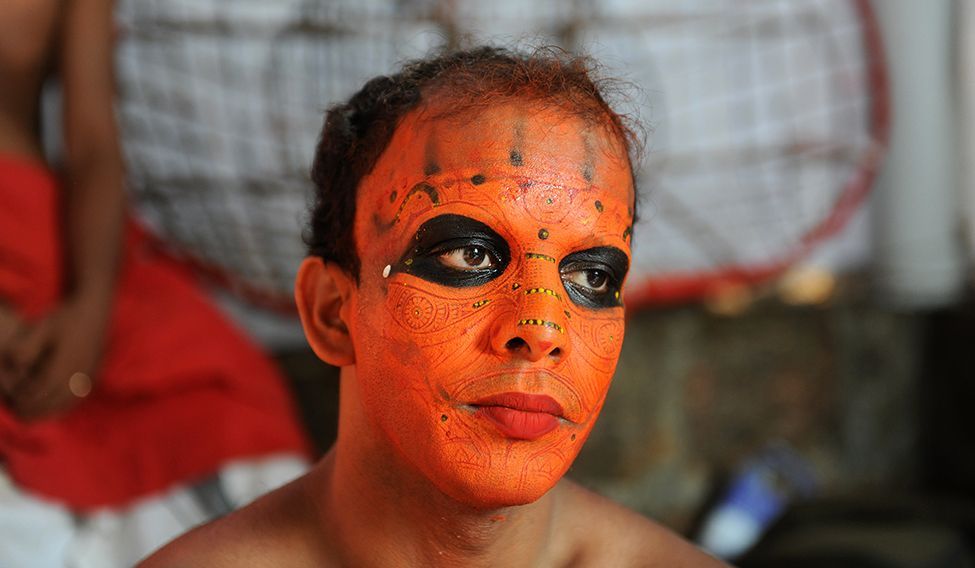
[(45, 355), (10, 327)]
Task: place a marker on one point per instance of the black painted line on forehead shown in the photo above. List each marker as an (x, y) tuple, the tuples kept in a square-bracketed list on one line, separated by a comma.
[(589, 163), (431, 161), (516, 156)]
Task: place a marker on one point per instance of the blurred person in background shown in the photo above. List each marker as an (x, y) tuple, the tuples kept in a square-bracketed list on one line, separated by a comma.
[(130, 410)]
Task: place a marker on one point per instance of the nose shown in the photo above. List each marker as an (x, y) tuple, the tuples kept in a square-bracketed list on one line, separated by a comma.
[(537, 328)]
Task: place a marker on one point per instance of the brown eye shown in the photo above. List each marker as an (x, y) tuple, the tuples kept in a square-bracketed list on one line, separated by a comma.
[(467, 258), (595, 280)]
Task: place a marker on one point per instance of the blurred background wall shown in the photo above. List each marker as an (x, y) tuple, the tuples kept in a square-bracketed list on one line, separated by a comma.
[(802, 278)]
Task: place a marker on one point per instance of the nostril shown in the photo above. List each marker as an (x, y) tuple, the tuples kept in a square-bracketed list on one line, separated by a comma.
[(515, 343), (557, 352)]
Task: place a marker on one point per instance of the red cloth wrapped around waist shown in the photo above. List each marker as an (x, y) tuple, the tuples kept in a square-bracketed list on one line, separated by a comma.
[(179, 391), (31, 262)]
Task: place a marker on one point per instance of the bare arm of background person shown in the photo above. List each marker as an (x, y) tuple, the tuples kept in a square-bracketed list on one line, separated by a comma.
[(70, 338)]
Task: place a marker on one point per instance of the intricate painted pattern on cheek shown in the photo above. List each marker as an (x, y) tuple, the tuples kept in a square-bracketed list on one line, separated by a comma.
[(463, 446), (550, 462), (445, 327), (601, 340), (609, 338), (417, 312), (421, 311)]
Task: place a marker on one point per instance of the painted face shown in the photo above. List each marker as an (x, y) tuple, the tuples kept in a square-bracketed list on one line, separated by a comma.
[(488, 319)]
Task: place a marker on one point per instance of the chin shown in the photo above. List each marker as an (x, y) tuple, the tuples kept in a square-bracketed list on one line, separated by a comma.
[(498, 487), (491, 497)]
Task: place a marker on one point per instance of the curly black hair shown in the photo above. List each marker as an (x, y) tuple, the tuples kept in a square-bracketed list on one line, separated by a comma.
[(356, 133)]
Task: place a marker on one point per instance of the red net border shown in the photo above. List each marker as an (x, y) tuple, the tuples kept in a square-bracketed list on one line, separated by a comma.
[(677, 288)]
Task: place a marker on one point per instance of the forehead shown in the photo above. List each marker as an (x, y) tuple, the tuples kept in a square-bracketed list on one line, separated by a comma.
[(509, 163)]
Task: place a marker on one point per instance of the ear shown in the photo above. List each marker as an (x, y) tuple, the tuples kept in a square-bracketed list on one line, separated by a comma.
[(322, 292)]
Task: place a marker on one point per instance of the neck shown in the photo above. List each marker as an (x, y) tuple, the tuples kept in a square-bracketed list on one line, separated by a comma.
[(376, 509)]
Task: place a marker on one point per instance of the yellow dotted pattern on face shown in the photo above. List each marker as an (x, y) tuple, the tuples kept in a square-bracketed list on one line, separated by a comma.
[(539, 256), (546, 291), (544, 323), (480, 303)]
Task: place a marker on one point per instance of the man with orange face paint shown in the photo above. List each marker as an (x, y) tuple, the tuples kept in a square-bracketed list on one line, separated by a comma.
[(468, 248)]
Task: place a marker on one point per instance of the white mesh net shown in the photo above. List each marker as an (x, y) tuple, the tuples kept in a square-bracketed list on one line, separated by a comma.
[(761, 113)]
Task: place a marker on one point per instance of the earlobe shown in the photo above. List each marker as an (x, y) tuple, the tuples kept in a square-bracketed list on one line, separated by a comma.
[(321, 291)]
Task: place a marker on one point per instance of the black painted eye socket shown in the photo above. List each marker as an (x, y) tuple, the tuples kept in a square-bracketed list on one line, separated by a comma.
[(456, 251), (593, 277)]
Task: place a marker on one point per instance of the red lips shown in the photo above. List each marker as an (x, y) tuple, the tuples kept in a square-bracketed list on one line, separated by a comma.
[(521, 416)]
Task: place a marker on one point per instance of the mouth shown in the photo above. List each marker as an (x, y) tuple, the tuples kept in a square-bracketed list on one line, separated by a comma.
[(520, 416)]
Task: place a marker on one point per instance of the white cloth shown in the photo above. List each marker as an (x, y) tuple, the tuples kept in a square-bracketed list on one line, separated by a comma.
[(37, 533)]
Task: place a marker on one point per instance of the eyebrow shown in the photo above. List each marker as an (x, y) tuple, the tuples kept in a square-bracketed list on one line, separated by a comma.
[(422, 187)]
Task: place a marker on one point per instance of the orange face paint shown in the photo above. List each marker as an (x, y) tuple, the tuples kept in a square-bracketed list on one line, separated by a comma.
[(488, 318)]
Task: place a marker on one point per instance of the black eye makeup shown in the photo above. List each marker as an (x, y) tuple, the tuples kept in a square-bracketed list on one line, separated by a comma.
[(593, 277), (456, 251)]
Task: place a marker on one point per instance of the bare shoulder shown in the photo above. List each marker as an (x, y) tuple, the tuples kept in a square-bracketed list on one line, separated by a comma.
[(604, 533), (271, 531)]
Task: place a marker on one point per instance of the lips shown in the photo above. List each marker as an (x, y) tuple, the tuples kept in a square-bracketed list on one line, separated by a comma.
[(520, 416)]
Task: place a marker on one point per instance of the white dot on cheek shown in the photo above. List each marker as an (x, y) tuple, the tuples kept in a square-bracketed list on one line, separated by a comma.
[(386, 271)]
